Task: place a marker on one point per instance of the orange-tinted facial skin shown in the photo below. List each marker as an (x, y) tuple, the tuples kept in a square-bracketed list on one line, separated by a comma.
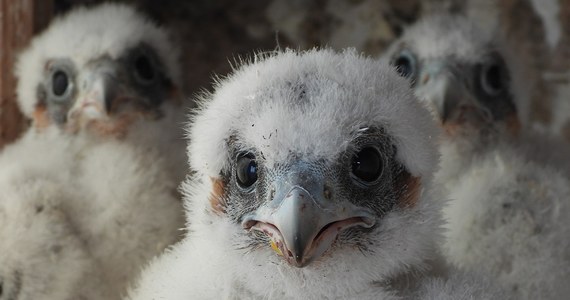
[(217, 201), (467, 120), (40, 118), (410, 187)]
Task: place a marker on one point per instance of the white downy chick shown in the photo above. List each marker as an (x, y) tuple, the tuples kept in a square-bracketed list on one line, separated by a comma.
[(509, 187), (101, 87), (313, 180)]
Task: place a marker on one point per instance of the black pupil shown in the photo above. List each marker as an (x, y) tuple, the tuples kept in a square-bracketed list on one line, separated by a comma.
[(367, 165), (403, 66), (493, 77), (144, 68), (246, 171), (59, 83)]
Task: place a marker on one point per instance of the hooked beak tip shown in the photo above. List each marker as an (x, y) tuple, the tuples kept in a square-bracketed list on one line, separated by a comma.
[(299, 261)]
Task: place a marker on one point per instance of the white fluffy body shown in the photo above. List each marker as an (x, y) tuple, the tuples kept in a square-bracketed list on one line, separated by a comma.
[(509, 218), (134, 209), (346, 92), (115, 199), (120, 204), (509, 213), (42, 256)]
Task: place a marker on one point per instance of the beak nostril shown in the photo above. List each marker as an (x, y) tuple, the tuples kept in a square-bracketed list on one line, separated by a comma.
[(272, 193), (327, 192), (247, 225)]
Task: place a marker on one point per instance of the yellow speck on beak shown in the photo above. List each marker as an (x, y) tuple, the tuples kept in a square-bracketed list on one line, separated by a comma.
[(275, 248)]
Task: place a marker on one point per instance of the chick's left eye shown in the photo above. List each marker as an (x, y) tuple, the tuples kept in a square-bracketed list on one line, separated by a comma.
[(246, 171), (144, 69)]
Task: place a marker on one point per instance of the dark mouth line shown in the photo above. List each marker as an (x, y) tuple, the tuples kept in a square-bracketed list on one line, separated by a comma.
[(256, 228), (323, 230), (351, 222)]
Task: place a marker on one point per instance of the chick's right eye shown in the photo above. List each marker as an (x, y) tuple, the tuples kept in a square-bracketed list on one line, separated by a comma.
[(246, 171), (405, 64), (144, 69)]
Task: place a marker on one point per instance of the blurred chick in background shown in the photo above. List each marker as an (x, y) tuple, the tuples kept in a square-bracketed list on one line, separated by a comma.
[(509, 213), (101, 86)]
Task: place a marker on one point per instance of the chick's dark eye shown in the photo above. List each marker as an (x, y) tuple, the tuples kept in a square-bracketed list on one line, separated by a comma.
[(492, 79), (144, 69), (246, 171), (59, 83), (405, 64), (367, 165)]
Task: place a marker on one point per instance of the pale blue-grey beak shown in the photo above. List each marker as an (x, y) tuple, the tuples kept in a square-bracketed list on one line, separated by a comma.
[(97, 88), (442, 86)]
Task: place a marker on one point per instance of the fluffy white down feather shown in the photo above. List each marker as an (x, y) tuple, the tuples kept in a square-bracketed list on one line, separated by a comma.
[(346, 92)]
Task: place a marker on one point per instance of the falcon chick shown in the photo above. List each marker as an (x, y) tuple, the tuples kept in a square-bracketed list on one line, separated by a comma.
[(509, 187), (101, 87), (313, 180)]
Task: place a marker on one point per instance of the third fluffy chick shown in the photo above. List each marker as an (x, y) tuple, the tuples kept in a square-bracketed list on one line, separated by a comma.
[(509, 190)]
